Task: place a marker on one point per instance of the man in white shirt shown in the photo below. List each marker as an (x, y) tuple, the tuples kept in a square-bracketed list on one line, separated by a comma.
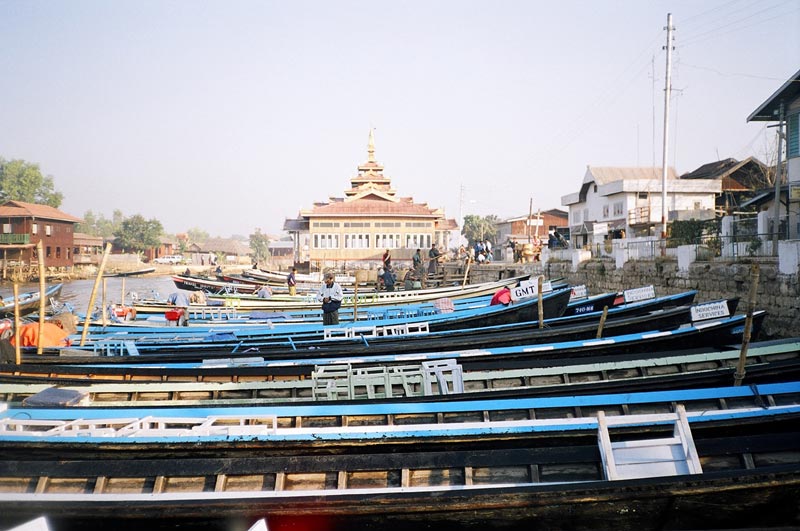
[(330, 295)]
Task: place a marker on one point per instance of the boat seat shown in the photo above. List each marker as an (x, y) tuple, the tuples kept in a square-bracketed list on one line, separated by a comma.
[(345, 382), (447, 375), (648, 457), (331, 382), (131, 348)]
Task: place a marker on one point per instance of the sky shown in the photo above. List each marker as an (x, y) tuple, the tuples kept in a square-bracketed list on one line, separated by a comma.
[(231, 116)]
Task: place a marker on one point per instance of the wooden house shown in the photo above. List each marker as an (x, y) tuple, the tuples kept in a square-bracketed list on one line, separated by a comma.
[(24, 225)]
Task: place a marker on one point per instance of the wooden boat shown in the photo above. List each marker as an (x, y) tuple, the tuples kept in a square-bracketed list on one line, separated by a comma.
[(209, 285), (553, 305), (279, 277), (711, 334), (272, 325), (366, 340), (135, 273), (672, 462), (283, 303), (29, 301), (375, 298), (769, 361)]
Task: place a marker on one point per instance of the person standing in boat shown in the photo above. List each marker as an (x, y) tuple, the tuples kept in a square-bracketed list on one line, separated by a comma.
[(434, 255), (387, 260), (330, 295), (291, 281), (389, 279)]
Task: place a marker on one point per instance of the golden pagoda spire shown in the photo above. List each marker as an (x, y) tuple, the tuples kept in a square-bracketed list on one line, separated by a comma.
[(371, 147)]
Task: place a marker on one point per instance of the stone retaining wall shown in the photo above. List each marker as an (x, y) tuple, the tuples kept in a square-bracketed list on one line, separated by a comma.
[(777, 293)]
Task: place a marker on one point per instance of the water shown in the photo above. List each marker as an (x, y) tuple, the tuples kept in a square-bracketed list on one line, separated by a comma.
[(79, 292)]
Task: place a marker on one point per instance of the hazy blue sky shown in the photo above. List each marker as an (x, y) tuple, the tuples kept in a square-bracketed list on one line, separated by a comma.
[(233, 115)]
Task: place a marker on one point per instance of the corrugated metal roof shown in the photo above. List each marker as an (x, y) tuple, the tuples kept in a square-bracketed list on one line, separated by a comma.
[(769, 110), (608, 174)]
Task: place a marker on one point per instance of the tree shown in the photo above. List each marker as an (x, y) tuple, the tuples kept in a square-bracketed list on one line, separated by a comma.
[(100, 226), (477, 228), (23, 181), (259, 243), (137, 234), (197, 235)]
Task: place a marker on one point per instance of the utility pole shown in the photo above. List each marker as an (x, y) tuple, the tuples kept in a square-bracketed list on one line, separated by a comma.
[(776, 214), (665, 150), (528, 222)]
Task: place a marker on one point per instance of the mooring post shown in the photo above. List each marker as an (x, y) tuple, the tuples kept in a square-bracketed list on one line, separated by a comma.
[(748, 326), (541, 304), (602, 322)]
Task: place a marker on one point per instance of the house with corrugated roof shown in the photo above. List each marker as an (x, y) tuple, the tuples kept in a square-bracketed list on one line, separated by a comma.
[(213, 249), (740, 180), (627, 201), (367, 221), (24, 225)]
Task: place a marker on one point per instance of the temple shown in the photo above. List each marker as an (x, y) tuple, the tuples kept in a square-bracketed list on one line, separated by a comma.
[(369, 219)]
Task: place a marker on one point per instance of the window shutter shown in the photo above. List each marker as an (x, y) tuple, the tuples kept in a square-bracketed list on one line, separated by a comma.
[(793, 136)]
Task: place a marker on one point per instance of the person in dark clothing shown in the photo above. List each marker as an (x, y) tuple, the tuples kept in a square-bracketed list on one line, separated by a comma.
[(388, 279)]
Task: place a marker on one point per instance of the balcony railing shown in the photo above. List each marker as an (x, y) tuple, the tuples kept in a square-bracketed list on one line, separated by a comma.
[(639, 215), (15, 238)]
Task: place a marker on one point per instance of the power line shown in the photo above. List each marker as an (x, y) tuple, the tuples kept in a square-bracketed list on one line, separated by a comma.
[(737, 25)]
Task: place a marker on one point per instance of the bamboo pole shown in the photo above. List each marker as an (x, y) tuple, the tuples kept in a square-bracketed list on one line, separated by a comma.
[(94, 294), (122, 299), (355, 300), (466, 272), (738, 376), (541, 303), (103, 302), (42, 304), (602, 322), (17, 351)]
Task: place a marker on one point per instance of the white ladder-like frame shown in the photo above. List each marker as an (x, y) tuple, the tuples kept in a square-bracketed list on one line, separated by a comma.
[(642, 458)]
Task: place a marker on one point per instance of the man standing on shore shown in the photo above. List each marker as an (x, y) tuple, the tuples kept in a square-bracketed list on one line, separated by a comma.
[(330, 295), (291, 281)]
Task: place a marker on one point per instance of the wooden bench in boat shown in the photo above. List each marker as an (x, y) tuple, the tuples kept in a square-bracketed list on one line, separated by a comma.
[(649, 457), (404, 329), (339, 382)]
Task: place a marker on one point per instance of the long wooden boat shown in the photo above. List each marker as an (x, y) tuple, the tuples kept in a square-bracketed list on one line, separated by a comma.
[(29, 301), (366, 340), (320, 427), (553, 305), (419, 315), (375, 298), (210, 285), (282, 303), (713, 335), (279, 277), (770, 361), (137, 272), (674, 465)]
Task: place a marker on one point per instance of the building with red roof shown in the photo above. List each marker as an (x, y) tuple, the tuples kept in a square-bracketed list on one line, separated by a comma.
[(368, 220), (23, 225)]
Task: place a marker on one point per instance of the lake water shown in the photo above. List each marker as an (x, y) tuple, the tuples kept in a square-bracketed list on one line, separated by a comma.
[(78, 292)]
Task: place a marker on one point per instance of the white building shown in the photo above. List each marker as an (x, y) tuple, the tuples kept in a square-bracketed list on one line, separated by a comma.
[(614, 199)]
